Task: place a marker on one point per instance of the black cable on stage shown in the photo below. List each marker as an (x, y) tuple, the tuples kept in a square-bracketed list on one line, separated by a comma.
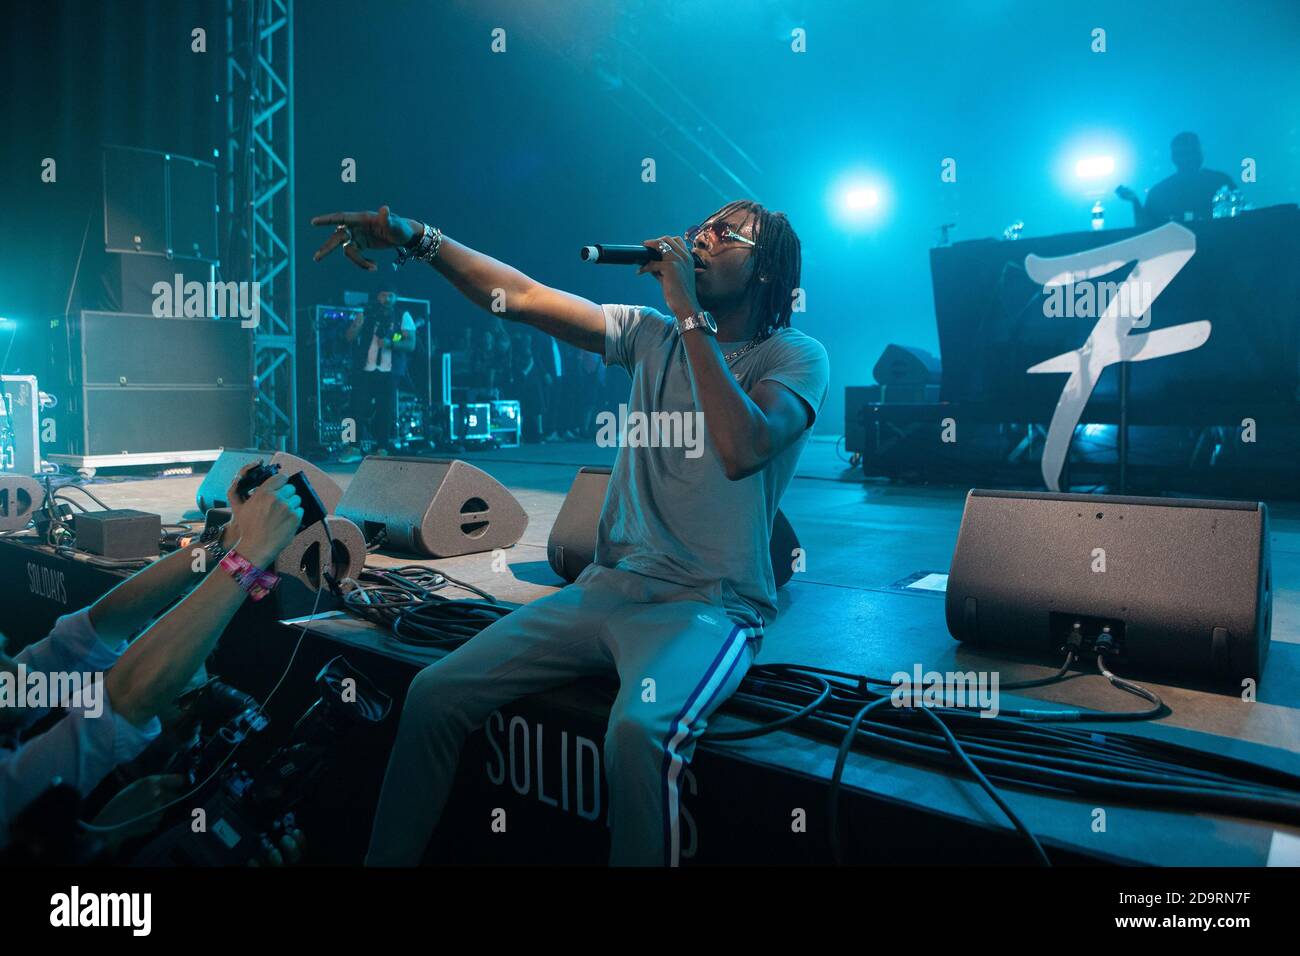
[(772, 726), (1027, 754), (440, 622), (841, 758), (988, 787), (404, 600), (1022, 747), (837, 774), (63, 486)]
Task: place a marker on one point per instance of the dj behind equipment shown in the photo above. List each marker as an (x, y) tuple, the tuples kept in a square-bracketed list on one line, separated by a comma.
[(875, 515)]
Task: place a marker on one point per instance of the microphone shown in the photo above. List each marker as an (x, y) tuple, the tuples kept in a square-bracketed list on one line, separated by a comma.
[(607, 254)]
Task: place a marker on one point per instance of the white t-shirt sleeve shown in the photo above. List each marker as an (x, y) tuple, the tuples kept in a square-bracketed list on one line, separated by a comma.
[(801, 365), (630, 331)]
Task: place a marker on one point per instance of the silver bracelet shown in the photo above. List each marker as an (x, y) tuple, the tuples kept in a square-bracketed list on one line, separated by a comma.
[(425, 250)]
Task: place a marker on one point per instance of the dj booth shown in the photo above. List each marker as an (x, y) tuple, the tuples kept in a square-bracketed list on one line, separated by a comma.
[(763, 800), (995, 322)]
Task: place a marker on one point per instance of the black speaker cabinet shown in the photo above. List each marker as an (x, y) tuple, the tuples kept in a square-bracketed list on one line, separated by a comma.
[(432, 507), (128, 281), (159, 204), (572, 543), (150, 385), (856, 398), (1184, 586)]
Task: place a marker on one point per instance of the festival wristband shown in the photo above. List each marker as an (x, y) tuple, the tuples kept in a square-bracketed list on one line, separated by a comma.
[(257, 582)]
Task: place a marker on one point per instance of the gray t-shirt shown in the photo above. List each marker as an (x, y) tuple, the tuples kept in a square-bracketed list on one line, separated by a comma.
[(671, 512)]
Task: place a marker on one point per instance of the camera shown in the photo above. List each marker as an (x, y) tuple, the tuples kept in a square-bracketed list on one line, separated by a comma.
[(313, 510), (248, 804)]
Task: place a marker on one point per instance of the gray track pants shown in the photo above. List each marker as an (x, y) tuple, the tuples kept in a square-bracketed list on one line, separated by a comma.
[(608, 621)]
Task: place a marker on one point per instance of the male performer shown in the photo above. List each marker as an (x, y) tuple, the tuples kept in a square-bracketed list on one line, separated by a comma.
[(682, 584), (1187, 194), (381, 345)]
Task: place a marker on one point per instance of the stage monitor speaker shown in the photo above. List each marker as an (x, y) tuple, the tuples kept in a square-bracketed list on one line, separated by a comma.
[(1184, 586), (904, 365), (19, 497), (335, 536), (212, 490), (572, 542), (432, 507)]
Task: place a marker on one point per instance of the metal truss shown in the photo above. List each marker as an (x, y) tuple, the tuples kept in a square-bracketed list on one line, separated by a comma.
[(260, 202)]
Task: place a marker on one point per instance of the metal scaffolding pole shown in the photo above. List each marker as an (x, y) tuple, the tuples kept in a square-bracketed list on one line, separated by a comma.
[(260, 202)]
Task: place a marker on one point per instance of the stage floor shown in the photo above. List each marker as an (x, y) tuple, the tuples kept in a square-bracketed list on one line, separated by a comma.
[(847, 612)]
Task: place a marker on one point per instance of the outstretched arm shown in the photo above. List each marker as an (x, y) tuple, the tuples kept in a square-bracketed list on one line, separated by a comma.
[(153, 670), (488, 283)]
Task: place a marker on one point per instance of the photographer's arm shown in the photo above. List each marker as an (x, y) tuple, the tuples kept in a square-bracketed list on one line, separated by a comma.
[(154, 669), (121, 613), (489, 284)]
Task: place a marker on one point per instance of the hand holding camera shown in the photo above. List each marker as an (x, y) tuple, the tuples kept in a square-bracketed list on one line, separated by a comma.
[(268, 518)]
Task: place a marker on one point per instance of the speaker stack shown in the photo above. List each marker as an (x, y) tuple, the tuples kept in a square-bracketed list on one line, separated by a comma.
[(146, 389)]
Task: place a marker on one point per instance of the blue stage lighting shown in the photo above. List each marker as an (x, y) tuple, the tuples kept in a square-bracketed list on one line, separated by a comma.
[(1094, 167), (858, 199), (861, 199), (1091, 162)]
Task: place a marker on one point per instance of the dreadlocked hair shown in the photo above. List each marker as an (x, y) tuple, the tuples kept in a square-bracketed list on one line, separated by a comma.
[(777, 260)]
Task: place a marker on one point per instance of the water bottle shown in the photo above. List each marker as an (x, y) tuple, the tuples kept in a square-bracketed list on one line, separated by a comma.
[(1098, 216)]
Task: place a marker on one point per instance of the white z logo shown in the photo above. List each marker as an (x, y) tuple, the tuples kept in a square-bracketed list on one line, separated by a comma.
[(1160, 253)]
